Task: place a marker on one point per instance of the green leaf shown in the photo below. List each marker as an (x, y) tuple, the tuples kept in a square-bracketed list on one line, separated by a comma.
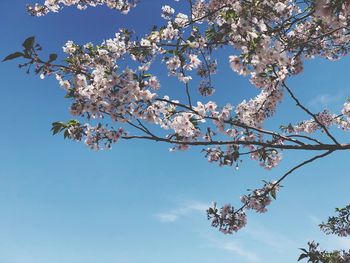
[(70, 94), (302, 256), (303, 249), (13, 56), (146, 76), (66, 134), (57, 127), (273, 194), (52, 57), (210, 34), (73, 122), (29, 43), (230, 14), (39, 69), (173, 52)]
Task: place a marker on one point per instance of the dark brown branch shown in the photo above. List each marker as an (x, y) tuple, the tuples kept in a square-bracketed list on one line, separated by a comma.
[(310, 113), (288, 173), (305, 137), (306, 147)]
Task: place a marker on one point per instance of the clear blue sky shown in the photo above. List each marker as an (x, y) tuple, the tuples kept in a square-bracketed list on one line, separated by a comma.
[(139, 203)]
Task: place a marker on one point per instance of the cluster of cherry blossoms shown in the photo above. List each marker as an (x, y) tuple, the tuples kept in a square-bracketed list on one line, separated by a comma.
[(340, 224), (315, 255), (259, 199), (55, 5), (229, 220), (268, 40), (323, 119)]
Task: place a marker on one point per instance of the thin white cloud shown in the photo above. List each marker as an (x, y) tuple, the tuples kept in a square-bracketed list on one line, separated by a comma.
[(324, 100), (270, 238), (184, 210), (167, 217), (239, 250), (329, 100), (233, 247), (189, 207)]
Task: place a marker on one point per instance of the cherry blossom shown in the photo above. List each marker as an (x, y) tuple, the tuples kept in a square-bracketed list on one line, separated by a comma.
[(266, 41), (56, 5)]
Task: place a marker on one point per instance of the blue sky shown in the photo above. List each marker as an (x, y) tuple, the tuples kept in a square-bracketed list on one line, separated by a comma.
[(139, 203)]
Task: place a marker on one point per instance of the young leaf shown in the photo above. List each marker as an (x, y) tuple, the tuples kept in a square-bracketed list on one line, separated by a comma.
[(29, 43), (302, 256), (13, 56), (273, 194), (66, 134), (57, 127), (52, 57), (146, 75)]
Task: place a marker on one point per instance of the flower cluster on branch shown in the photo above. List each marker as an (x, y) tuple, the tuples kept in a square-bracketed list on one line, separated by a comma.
[(269, 42), (56, 5), (340, 224), (337, 225)]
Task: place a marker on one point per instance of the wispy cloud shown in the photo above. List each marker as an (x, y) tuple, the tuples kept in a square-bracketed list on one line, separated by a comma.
[(329, 100), (323, 100), (185, 209), (251, 245), (241, 251), (234, 247), (270, 238)]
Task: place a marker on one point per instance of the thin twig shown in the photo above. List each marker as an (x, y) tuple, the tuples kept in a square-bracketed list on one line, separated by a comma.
[(310, 113), (285, 176)]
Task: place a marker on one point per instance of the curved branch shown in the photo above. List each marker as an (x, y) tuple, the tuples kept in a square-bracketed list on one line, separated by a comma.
[(288, 173), (310, 113)]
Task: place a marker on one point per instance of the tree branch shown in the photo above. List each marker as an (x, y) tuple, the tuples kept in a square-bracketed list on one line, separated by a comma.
[(310, 113)]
